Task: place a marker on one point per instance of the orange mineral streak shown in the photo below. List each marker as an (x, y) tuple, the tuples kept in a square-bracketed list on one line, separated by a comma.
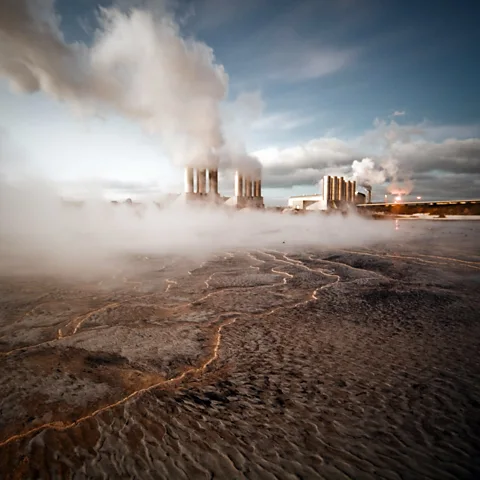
[(78, 321), (62, 426)]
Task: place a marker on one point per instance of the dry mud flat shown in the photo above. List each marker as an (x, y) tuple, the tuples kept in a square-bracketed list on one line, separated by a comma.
[(266, 364)]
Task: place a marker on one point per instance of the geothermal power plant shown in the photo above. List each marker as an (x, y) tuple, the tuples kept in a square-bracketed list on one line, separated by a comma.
[(338, 190), (336, 193), (201, 184)]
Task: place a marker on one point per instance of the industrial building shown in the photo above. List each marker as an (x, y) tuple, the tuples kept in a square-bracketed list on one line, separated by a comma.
[(201, 184), (337, 193)]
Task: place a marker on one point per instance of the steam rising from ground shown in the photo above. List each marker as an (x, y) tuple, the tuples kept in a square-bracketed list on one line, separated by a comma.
[(39, 234), (139, 65)]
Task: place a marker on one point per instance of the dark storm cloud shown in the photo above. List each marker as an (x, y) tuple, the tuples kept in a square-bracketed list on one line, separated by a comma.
[(454, 156), (454, 186)]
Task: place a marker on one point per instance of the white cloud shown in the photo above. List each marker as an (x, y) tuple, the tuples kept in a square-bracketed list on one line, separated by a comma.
[(282, 121), (407, 147), (399, 113), (303, 63)]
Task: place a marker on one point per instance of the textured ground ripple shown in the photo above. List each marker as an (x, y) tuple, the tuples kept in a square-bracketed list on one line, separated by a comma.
[(261, 364)]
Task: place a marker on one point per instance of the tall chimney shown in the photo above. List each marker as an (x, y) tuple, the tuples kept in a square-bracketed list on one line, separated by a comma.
[(354, 188), (238, 184), (257, 188), (188, 180), (336, 188), (343, 189), (213, 181), (327, 188), (248, 187), (369, 194), (201, 180)]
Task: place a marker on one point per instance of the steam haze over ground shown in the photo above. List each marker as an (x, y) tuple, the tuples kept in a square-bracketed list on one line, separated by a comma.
[(41, 233)]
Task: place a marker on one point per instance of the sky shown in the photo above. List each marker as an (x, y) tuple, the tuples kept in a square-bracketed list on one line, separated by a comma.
[(306, 87)]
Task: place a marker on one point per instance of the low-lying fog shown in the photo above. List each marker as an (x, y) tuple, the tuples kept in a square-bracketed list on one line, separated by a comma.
[(41, 234)]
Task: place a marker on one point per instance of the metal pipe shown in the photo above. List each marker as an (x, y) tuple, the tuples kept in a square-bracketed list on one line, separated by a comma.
[(354, 188), (238, 184), (213, 181), (327, 188), (343, 189), (248, 187), (336, 189), (257, 188), (202, 181), (188, 180)]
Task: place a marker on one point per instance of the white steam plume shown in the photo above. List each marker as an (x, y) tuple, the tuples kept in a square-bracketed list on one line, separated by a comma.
[(138, 65), (400, 188), (240, 116), (367, 173)]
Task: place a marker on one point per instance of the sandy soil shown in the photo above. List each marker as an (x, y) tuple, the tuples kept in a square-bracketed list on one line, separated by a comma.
[(263, 364)]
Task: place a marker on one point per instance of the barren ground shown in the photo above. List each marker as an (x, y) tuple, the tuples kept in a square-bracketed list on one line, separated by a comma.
[(263, 364)]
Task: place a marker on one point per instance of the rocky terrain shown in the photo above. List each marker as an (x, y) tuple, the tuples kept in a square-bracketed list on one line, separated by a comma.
[(251, 364)]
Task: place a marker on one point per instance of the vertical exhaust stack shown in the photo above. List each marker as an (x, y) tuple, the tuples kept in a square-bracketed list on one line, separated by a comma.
[(213, 182), (201, 184), (327, 189), (248, 187), (334, 189), (257, 199), (354, 190), (238, 184), (201, 181), (369, 194), (248, 190), (257, 188), (189, 187), (343, 190)]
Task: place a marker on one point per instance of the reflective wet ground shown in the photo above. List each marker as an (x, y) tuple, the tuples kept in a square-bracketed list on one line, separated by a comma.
[(262, 364)]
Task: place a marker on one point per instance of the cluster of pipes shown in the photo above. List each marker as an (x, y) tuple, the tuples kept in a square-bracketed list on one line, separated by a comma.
[(203, 181), (196, 181), (246, 186), (337, 189)]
